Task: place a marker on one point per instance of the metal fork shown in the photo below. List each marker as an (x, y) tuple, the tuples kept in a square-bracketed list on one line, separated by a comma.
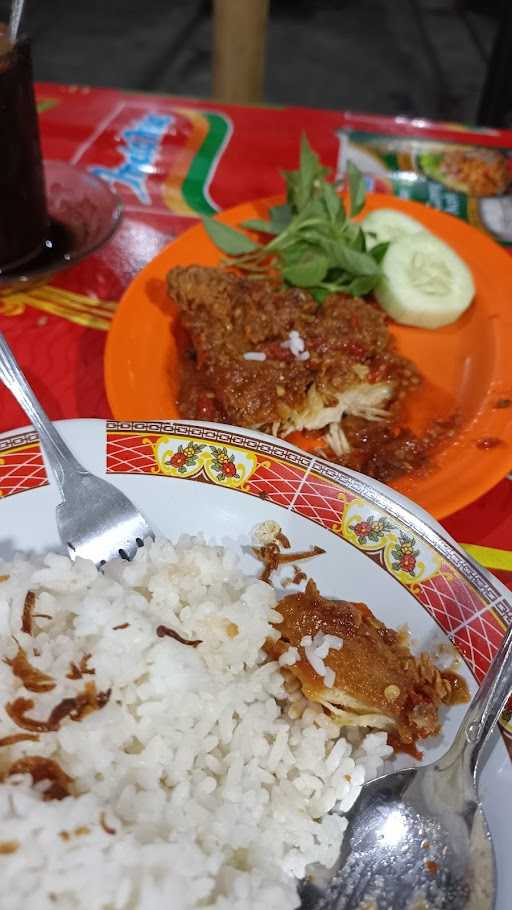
[(95, 520)]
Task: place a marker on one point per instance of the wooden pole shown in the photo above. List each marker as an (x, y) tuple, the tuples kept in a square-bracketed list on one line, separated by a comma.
[(239, 35)]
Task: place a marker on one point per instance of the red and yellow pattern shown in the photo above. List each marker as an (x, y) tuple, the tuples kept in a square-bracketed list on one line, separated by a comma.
[(76, 308), (21, 464), (222, 458), (460, 599)]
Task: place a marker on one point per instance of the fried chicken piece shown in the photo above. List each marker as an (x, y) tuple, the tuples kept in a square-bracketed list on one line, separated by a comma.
[(347, 363), (376, 681)]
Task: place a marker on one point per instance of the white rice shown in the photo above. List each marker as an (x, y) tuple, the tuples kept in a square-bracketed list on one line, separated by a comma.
[(255, 355), (296, 345), (216, 774), (316, 650)]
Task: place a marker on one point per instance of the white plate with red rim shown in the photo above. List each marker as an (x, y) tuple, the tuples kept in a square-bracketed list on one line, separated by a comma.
[(190, 477)]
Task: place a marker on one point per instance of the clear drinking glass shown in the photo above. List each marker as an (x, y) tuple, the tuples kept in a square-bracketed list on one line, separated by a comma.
[(23, 212)]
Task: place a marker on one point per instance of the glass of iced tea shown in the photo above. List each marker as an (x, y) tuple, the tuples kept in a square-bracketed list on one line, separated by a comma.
[(23, 212)]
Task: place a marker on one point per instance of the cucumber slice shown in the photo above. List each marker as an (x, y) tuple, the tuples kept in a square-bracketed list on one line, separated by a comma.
[(384, 225), (424, 282)]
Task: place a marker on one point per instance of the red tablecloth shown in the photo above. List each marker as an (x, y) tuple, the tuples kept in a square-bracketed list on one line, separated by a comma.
[(172, 159)]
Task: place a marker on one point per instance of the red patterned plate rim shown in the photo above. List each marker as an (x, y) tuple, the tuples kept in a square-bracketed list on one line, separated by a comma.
[(306, 466), (399, 507), (462, 598)]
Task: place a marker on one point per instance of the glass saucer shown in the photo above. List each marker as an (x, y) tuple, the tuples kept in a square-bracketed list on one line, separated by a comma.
[(84, 213)]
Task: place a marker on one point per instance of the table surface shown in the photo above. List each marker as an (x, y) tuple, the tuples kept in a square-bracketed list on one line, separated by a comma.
[(202, 157)]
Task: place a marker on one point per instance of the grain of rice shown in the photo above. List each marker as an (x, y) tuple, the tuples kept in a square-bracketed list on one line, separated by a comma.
[(255, 355)]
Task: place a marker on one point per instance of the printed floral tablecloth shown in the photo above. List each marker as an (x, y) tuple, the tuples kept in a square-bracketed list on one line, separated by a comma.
[(172, 160)]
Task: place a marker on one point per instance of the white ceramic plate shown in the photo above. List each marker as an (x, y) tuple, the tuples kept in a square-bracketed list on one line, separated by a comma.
[(381, 549)]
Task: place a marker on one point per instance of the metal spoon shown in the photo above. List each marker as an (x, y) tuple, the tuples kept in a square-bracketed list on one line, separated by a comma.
[(417, 839)]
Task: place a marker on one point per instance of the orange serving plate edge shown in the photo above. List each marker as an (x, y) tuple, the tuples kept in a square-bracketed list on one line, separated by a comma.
[(465, 365)]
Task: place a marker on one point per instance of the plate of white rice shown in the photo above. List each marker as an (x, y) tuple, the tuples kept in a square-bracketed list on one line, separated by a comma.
[(189, 771)]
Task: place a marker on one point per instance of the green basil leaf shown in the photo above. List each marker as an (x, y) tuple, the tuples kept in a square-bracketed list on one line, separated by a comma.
[(353, 261), (333, 203), (305, 183), (227, 239), (359, 241), (310, 168), (280, 217), (379, 251), (361, 285), (292, 189), (312, 209), (337, 276), (319, 294), (330, 247), (296, 253), (350, 234), (356, 189), (263, 227), (308, 272), (318, 237)]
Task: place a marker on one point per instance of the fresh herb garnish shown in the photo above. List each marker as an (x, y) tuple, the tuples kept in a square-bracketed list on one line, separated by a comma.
[(314, 243), (229, 240)]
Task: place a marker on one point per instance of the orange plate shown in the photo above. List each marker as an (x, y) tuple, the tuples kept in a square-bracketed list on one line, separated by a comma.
[(467, 366)]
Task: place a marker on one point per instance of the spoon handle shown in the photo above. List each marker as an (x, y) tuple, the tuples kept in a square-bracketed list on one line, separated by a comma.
[(485, 709)]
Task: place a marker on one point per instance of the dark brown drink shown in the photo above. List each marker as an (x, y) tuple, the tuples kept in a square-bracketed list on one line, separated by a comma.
[(23, 214)]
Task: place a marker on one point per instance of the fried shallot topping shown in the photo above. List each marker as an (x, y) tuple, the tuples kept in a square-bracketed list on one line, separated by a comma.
[(77, 671), (15, 738), (124, 625), (28, 607), (33, 679), (77, 832), (75, 708), (8, 846), (41, 769), (165, 631), (297, 578), (105, 826), (271, 557)]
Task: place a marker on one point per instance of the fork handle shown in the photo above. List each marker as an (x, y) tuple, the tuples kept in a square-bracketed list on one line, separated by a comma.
[(62, 461)]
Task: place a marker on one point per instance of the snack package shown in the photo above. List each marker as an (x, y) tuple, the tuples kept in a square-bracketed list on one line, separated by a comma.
[(473, 182)]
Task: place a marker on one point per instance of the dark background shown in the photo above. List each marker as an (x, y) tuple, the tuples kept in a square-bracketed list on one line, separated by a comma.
[(413, 57)]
